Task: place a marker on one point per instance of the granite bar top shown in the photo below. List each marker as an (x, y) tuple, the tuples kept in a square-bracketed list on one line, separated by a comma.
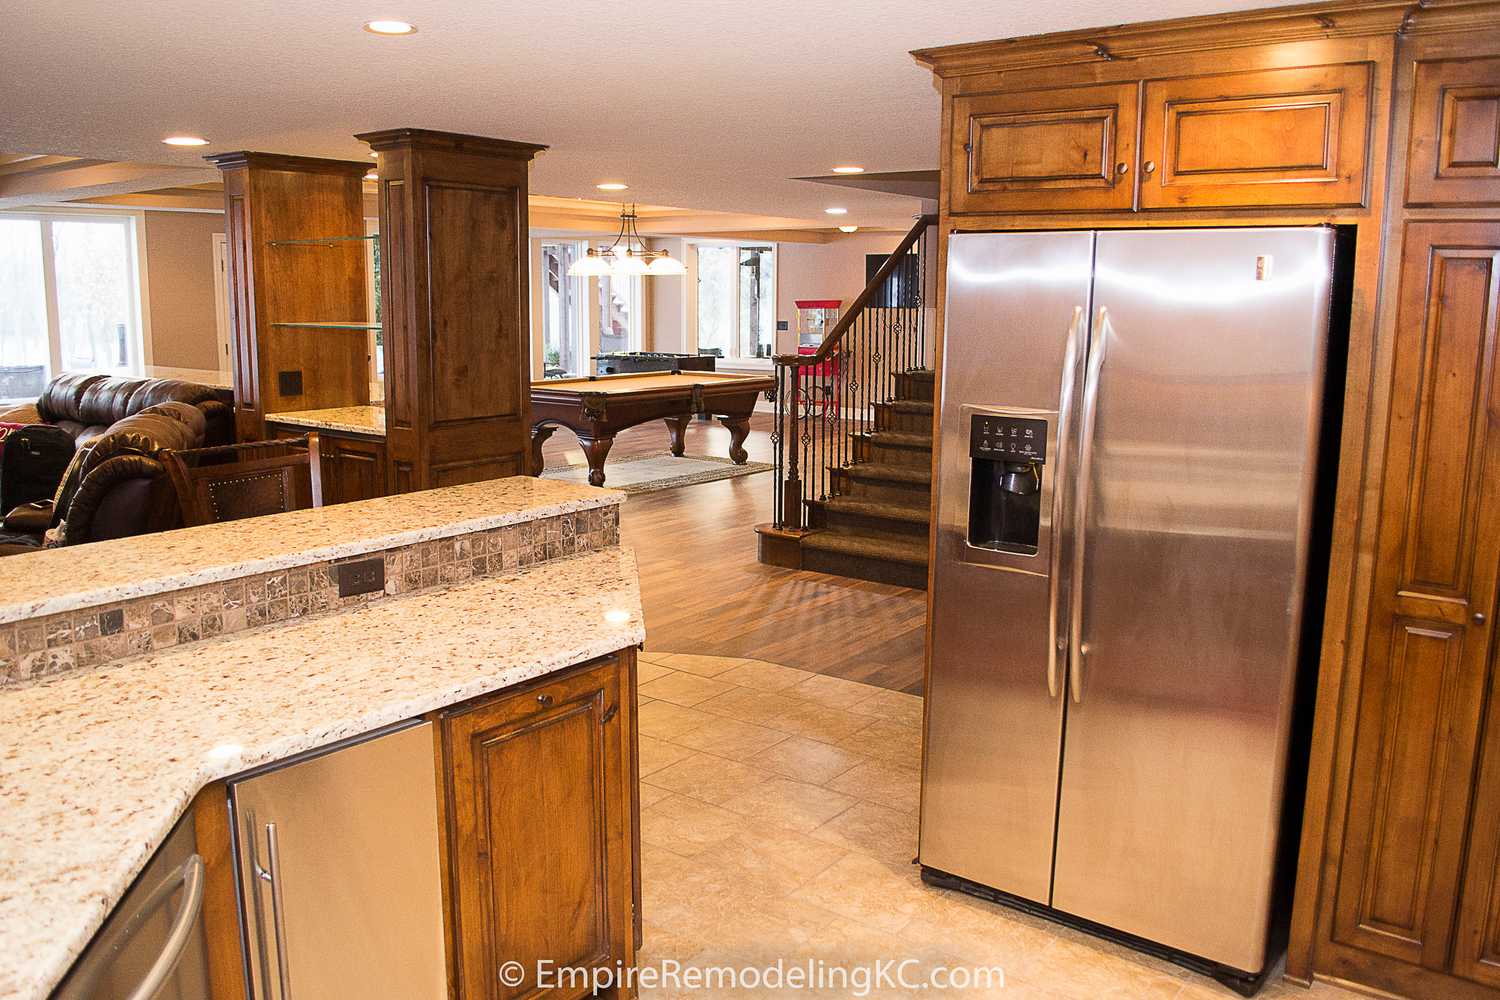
[(351, 419), (50, 581), (104, 762)]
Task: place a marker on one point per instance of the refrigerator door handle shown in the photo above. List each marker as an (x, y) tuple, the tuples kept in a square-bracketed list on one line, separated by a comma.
[(1081, 504), (1071, 357)]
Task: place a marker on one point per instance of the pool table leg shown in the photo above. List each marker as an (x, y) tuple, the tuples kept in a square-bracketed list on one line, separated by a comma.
[(596, 450), (539, 436), (739, 429), (676, 429)]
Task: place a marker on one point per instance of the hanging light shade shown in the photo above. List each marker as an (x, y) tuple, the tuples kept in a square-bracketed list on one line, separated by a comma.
[(630, 260)]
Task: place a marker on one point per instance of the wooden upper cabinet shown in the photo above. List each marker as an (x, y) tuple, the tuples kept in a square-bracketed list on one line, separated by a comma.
[(1424, 673), (1455, 133), (1058, 150), (1261, 138), (540, 828)]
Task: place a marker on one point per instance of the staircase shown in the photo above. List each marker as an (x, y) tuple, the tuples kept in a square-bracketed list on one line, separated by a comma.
[(854, 438)]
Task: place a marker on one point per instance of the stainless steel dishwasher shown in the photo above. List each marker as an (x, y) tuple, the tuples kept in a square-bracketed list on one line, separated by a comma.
[(340, 887), (151, 946)]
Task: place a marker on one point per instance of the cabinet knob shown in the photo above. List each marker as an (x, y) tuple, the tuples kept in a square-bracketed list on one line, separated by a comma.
[(544, 700), (1122, 168), (1479, 618), (1149, 166)]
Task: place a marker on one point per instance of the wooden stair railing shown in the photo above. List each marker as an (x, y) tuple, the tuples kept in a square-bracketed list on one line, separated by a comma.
[(827, 399)]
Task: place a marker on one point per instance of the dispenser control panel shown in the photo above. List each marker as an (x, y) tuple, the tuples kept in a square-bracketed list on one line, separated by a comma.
[(1007, 439)]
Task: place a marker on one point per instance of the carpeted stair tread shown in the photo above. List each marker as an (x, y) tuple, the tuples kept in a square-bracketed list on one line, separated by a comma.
[(900, 439), (911, 552), (910, 405), (881, 471), (867, 508)]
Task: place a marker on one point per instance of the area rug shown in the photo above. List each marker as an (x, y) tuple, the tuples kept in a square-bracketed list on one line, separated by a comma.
[(657, 472)]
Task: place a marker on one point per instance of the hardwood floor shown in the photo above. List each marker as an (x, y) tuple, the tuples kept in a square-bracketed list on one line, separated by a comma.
[(705, 592)]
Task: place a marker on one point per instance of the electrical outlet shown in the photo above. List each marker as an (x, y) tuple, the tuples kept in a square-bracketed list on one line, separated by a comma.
[(363, 577)]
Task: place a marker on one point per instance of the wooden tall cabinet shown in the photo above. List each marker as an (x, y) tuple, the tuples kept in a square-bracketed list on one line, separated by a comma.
[(1381, 117), (453, 236), (540, 798), (297, 278)]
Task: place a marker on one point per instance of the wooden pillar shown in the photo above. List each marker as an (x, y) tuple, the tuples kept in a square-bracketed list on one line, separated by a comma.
[(454, 281), (293, 225)]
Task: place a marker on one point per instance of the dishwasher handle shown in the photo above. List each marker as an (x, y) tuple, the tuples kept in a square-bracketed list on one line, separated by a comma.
[(189, 877)]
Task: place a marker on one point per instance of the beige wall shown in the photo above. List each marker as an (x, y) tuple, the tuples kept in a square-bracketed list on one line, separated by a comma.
[(823, 271), (180, 275)]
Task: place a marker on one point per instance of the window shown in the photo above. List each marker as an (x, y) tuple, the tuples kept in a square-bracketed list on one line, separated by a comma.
[(736, 301), (69, 298), (562, 312), (619, 314)]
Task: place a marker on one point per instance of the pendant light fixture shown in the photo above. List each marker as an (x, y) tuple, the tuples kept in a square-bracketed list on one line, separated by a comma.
[(626, 257)]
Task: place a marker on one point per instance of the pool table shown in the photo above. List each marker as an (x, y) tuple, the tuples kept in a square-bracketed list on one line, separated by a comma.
[(598, 407)]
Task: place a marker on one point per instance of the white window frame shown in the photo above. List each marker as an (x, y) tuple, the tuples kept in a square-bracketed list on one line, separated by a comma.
[(733, 362), (637, 294), (139, 307), (587, 337)]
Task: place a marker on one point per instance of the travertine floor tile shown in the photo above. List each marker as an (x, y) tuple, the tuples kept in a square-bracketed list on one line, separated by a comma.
[(807, 760), (764, 708), (703, 666), (704, 776), (793, 805), (764, 676), (883, 782), (827, 725), (728, 737), (875, 831), (650, 795), (683, 689), (897, 706), (665, 720), (656, 754), (687, 826), (649, 670), (881, 896), (835, 692), (893, 741)]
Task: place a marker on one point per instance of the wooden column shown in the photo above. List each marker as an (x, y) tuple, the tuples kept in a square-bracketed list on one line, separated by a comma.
[(454, 293), (270, 199)]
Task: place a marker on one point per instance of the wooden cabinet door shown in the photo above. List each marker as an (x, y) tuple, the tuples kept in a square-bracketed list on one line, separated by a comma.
[(353, 468), (1438, 551), (1061, 150), (1476, 953), (1455, 133), (1267, 137), (540, 796)]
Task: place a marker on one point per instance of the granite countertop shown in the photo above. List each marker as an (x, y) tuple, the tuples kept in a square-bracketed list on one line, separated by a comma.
[(351, 419), (106, 761), (50, 581)]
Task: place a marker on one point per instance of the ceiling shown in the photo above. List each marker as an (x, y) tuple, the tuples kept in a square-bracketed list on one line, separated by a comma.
[(711, 104)]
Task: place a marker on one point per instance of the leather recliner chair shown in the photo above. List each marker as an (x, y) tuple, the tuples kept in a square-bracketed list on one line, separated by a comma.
[(116, 486)]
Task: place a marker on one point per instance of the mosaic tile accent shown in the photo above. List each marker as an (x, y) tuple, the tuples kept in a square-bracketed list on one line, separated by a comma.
[(91, 637)]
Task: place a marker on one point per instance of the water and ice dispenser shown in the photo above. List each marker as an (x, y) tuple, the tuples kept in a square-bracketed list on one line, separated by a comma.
[(1007, 458)]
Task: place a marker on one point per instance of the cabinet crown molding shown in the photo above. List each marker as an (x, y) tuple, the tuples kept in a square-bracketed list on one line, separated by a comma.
[(393, 138), (284, 161), (1306, 22)]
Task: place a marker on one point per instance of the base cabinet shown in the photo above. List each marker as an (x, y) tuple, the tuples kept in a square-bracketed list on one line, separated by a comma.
[(540, 830), (353, 465)]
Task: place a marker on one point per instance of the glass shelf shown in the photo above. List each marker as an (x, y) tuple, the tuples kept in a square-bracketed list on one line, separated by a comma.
[(351, 325), (325, 241)]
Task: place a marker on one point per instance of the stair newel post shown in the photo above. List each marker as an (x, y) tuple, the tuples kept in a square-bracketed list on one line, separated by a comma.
[(791, 491)]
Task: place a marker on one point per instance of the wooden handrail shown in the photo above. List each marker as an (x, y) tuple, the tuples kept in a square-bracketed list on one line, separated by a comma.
[(831, 340)]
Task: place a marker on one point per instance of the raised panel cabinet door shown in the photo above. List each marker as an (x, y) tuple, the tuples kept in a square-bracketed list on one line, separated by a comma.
[(1060, 150), (1476, 953), (353, 469), (1266, 137), (1438, 550), (1455, 133), (539, 833)]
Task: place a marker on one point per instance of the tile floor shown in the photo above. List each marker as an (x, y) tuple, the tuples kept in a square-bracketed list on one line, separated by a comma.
[(779, 820)]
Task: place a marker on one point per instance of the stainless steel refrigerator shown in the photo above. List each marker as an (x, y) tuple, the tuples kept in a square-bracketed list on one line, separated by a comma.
[(1125, 493)]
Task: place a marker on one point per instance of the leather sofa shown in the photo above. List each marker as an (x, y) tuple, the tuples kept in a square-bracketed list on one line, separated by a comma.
[(87, 405), (116, 486)]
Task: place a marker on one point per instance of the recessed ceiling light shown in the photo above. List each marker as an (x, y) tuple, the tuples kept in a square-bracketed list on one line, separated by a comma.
[(849, 170), (390, 27), (612, 186), (185, 140), (848, 229), (836, 211)]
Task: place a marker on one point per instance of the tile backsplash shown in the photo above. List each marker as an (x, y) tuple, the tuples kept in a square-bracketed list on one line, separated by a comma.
[(90, 637)]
